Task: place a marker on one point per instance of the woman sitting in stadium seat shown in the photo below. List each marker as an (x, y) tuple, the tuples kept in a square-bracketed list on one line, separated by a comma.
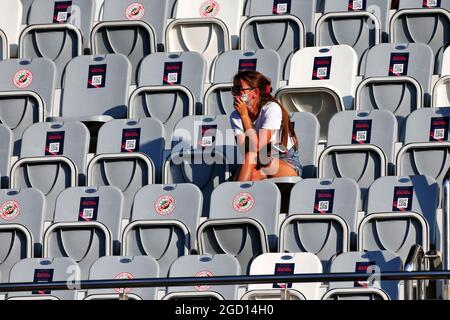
[(263, 129)]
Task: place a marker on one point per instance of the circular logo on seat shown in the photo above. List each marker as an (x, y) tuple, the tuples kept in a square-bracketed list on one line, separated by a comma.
[(203, 274), (209, 8), (23, 78), (165, 205), (9, 210), (243, 202), (135, 11), (123, 276)]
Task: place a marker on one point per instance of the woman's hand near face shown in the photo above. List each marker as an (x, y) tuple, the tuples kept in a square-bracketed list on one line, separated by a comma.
[(241, 107)]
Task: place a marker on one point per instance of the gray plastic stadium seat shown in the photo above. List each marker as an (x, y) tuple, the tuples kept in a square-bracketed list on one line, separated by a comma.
[(207, 133), (307, 130), (360, 146), (218, 98), (127, 268), (426, 145), (401, 212), (130, 28), (286, 30), (26, 94), (128, 152), (322, 218), (21, 227), (204, 266), (53, 157), (322, 81), (365, 262), (96, 88), (170, 87), (206, 170), (397, 78), (72, 142), (57, 30), (86, 226), (304, 10), (6, 140), (425, 22), (43, 271), (243, 221), (359, 24), (164, 223)]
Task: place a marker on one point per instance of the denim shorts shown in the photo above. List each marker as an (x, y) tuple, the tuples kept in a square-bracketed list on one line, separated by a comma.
[(292, 158)]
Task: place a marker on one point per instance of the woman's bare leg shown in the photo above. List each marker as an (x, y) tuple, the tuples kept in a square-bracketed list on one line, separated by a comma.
[(279, 168), (247, 171)]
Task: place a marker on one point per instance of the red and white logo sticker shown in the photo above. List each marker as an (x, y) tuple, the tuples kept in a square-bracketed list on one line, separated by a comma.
[(123, 276), (209, 8), (165, 205), (203, 274), (23, 78), (9, 210), (135, 11), (243, 202)]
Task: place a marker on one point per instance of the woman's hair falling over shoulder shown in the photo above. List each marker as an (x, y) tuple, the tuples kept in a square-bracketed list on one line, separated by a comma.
[(257, 80)]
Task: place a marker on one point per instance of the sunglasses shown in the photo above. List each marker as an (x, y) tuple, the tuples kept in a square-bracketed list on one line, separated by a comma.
[(236, 90)]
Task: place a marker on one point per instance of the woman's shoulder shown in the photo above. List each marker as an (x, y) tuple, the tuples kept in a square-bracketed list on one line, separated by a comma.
[(271, 107)]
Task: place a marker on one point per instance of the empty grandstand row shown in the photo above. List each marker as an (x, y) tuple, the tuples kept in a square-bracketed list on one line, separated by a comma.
[(118, 157)]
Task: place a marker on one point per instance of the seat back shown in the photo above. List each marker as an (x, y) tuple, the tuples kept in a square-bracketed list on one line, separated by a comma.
[(206, 133), (49, 139), (327, 85), (21, 227), (57, 30), (20, 111), (144, 135), (43, 271), (359, 24), (229, 11), (243, 218), (96, 86), (79, 13), (129, 28), (360, 146), (426, 147), (92, 207), (280, 26), (419, 194), (304, 10), (427, 22), (205, 266), (287, 264), (206, 170), (400, 82), (161, 217), (334, 66), (153, 12), (123, 268), (368, 262)]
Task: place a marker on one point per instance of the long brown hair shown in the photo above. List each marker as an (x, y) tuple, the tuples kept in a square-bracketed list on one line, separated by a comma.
[(257, 80)]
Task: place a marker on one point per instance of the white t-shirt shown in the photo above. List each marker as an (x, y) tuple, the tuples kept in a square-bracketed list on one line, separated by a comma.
[(270, 117)]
